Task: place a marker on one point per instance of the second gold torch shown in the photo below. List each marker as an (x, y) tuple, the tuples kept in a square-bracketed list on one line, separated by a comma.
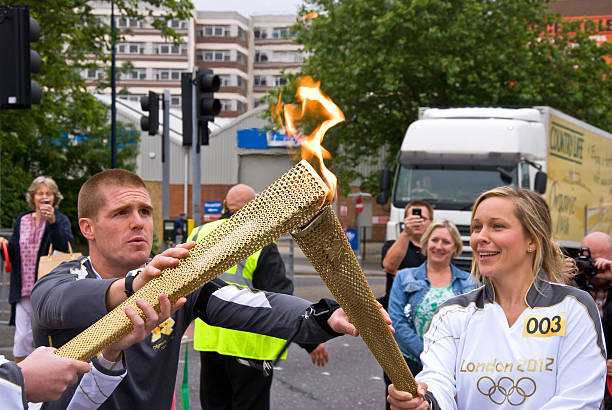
[(324, 243)]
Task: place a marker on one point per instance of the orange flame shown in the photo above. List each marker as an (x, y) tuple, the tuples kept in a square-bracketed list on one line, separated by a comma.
[(311, 15), (312, 100)]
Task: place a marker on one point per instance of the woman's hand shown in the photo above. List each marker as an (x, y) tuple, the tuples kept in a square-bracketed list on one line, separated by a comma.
[(400, 400), (48, 212)]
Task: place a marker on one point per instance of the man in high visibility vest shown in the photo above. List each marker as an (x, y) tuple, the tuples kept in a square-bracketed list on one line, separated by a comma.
[(236, 372)]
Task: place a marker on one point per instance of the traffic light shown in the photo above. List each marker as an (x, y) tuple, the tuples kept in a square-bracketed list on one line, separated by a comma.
[(18, 61), (187, 108), (150, 103), (207, 105)]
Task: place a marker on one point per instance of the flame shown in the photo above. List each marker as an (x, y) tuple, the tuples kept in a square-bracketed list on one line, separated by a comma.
[(312, 101), (311, 15)]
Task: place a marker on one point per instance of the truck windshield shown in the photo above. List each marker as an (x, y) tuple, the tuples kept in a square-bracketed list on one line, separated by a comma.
[(448, 187)]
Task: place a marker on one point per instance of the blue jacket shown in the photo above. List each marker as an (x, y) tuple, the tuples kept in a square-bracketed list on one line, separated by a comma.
[(58, 234), (409, 288)]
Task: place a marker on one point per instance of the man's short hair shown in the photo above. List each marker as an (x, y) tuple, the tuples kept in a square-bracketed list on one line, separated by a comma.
[(419, 203), (89, 196)]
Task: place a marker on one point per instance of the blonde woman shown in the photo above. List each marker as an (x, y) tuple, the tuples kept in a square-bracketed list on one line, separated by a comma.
[(522, 340), (417, 292), (33, 232)]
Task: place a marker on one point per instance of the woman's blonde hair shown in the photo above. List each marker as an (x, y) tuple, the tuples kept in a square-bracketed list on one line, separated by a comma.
[(50, 183), (534, 216), (452, 229)]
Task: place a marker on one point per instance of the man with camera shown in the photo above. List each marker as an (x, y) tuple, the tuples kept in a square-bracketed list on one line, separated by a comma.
[(594, 265)]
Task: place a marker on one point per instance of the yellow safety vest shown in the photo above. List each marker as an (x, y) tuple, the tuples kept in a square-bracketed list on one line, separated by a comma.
[(227, 341)]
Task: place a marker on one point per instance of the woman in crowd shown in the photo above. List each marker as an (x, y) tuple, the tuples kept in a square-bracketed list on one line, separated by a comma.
[(522, 340), (417, 292), (33, 232)]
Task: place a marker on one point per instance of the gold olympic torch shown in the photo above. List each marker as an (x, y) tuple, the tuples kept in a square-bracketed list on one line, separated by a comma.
[(324, 242)]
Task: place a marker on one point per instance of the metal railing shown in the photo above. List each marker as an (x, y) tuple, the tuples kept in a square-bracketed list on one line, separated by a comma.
[(286, 247)]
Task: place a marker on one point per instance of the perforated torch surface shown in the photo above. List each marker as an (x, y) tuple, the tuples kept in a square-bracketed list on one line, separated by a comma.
[(290, 202), (325, 245)]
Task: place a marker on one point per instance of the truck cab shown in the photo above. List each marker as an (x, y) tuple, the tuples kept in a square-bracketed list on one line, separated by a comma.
[(450, 156)]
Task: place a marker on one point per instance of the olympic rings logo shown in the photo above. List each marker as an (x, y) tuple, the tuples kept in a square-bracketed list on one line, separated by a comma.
[(506, 389)]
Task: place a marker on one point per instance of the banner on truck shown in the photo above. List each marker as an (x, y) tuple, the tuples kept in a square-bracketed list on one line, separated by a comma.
[(579, 189)]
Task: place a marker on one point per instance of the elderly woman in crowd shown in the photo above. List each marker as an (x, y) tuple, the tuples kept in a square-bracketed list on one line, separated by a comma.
[(417, 292), (522, 340), (33, 232)]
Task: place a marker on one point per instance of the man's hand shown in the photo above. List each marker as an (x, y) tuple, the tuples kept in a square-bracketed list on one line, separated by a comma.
[(340, 322), (400, 400), (47, 375), (319, 355), (411, 223), (603, 264), (142, 328), (167, 259)]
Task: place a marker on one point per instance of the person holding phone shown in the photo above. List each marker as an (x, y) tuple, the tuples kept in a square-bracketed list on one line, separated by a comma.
[(33, 232), (405, 252)]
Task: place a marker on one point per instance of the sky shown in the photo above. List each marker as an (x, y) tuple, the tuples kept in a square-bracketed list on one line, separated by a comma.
[(250, 7)]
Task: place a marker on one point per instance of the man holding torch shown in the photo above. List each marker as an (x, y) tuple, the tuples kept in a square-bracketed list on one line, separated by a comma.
[(115, 216)]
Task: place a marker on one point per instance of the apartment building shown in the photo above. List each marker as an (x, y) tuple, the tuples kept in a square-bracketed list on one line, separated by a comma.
[(247, 53), (151, 62), (274, 52)]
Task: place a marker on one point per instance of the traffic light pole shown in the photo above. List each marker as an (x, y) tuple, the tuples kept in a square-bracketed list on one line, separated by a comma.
[(113, 92), (166, 158), (195, 155)]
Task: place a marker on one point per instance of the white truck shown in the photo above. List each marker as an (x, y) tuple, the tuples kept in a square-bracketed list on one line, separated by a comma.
[(449, 156)]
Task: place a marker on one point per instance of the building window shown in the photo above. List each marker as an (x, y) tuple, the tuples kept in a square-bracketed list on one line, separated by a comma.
[(135, 74), (240, 106), (240, 82), (170, 49), (226, 80), (280, 32), (209, 30), (126, 22), (241, 33), (175, 100), (279, 80), (260, 32), (241, 58), (213, 55), (259, 81), (167, 74), (177, 24), (226, 105), (130, 48), (261, 57)]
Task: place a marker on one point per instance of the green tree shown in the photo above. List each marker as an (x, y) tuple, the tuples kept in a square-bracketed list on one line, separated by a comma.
[(67, 135), (381, 60)]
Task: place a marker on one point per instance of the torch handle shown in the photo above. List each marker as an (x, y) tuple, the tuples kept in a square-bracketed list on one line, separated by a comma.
[(325, 245)]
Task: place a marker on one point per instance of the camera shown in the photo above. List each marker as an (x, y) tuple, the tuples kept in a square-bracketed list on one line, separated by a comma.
[(584, 262), (46, 201), (416, 211)]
